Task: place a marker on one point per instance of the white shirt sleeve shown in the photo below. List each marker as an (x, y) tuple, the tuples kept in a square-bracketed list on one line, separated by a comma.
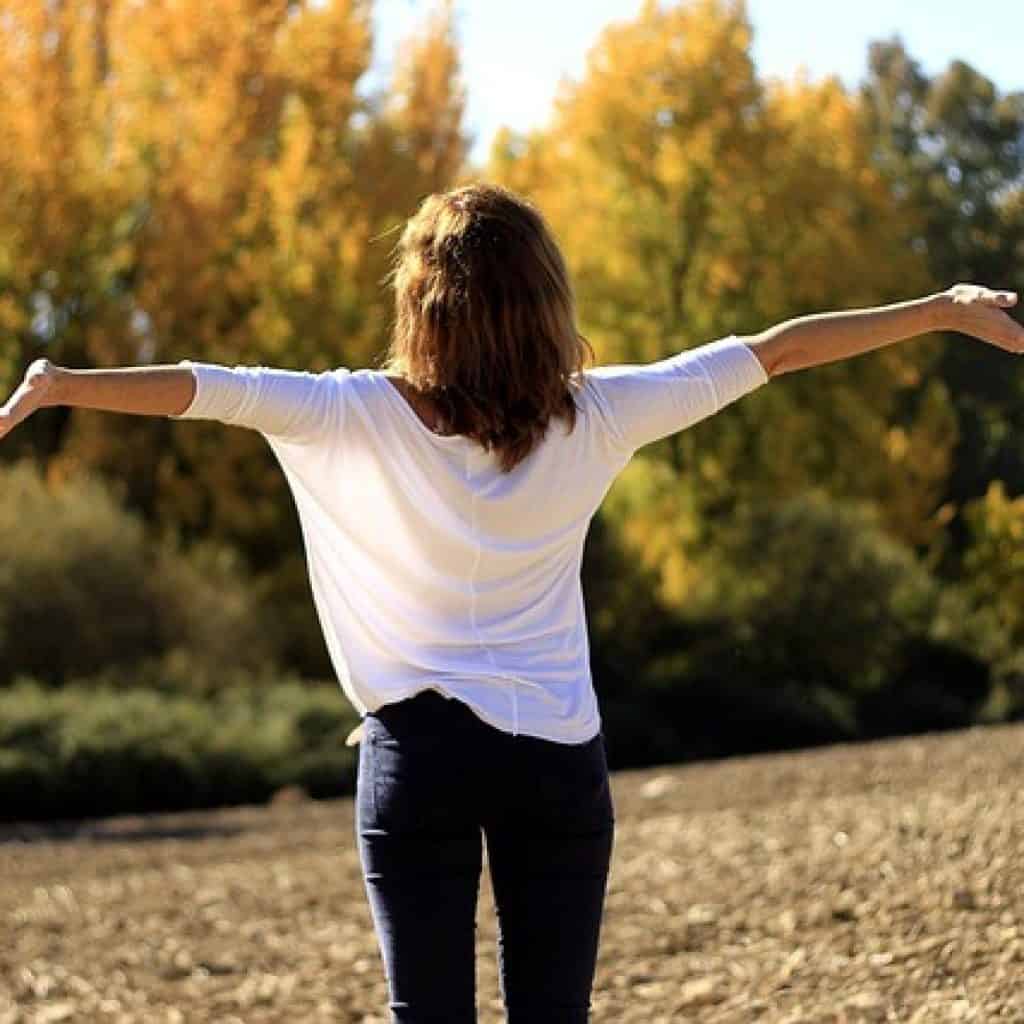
[(645, 402), (293, 405)]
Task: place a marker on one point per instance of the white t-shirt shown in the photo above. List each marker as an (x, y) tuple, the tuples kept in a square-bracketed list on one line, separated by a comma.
[(429, 567)]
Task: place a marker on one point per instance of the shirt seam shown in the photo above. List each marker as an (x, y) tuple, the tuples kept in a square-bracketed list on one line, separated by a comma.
[(472, 600), (619, 442)]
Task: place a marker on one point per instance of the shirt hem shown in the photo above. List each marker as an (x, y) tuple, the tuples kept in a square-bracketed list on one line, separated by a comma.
[(395, 698)]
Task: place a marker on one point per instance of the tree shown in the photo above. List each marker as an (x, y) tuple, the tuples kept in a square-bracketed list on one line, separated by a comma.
[(203, 180), (951, 148), (693, 202)]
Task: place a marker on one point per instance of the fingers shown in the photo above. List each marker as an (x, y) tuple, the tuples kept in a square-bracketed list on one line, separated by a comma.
[(968, 293)]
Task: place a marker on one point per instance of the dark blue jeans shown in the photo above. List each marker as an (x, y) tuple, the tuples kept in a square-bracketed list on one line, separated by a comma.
[(432, 777)]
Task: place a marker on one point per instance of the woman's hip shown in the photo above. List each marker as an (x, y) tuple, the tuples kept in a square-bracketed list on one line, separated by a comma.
[(430, 761)]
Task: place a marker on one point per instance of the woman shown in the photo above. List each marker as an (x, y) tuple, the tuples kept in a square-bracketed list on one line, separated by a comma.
[(444, 499)]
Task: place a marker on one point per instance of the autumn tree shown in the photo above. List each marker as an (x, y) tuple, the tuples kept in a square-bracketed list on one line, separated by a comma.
[(695, 201), (205, 180)]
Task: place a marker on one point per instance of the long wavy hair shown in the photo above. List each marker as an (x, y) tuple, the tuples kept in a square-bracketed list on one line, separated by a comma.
[(485, 318)]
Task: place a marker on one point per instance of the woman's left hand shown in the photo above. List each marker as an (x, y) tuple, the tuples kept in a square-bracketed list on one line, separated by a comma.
[(37, 390)]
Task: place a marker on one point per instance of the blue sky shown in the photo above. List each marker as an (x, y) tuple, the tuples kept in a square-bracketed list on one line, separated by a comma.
[(515, 53)]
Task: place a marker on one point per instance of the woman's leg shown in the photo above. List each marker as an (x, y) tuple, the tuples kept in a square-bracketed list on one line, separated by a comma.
[(420, 848), (549, 856)]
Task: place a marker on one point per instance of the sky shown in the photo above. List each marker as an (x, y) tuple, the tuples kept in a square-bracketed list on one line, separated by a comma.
[(514, 54)]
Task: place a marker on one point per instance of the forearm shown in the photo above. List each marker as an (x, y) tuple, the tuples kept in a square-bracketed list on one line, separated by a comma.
[(828, 337), (142, 390)]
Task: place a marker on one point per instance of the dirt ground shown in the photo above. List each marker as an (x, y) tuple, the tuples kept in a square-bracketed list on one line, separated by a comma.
[(876, 882)]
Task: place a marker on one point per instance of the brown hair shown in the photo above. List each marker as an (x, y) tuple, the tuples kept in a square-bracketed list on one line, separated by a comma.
[(485, 318)]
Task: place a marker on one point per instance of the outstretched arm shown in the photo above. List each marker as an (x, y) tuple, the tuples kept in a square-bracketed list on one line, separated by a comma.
[(291, 405), (164, 390), (827, 337), (143, 390)]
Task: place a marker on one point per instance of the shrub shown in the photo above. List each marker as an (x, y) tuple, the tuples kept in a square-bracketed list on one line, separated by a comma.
[(941, 686), (90, 750), (988, 603), (813, 590), (83, 588), (804, 623)]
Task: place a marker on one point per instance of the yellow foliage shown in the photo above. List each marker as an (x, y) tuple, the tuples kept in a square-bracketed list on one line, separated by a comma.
[(202, 179), (694, 201), (660, 524), (994, 562)]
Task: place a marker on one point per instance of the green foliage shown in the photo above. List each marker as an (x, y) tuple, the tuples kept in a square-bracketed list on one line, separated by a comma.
[(949, 148), (804, 623), (82, 588), (655, 513), (692, 198), (941, 685), (238, 214), (987, 605), (813, 590), (719, 714), (91, 749)]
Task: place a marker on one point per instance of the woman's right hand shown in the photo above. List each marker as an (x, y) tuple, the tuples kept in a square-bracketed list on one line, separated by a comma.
[(978, 311), (37, 390)]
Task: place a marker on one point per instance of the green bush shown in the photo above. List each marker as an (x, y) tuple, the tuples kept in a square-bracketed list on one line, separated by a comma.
[(987, 605), (82, 588), (813, 590), (88, 750), (808, 625), (805, 624)]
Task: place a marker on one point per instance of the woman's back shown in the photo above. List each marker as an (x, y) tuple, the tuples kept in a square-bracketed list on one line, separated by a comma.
[(432, 567)]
